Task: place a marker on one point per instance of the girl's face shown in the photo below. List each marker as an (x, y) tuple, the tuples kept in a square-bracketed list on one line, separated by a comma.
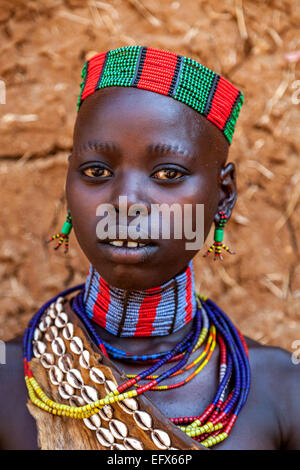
[(153, 150)]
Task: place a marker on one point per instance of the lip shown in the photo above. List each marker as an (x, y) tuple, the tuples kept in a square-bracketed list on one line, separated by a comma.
[(125, 255)]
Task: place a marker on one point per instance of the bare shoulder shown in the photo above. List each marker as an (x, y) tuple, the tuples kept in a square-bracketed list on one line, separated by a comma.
[(272, 360), (276, 372), (12, 365), (17, 427)]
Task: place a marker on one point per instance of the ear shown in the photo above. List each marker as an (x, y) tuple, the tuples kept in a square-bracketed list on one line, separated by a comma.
[(227, 190)]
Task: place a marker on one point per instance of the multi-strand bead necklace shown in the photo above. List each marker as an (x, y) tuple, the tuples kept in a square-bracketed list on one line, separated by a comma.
[(158, 311), (210, 324)]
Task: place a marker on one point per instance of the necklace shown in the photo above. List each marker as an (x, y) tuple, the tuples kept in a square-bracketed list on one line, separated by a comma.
[(215, 423), (157, 311)]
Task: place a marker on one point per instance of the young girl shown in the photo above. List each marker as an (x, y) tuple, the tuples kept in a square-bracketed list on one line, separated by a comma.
[(136, 359)]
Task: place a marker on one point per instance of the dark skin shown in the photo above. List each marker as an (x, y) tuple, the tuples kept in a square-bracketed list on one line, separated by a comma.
[(133, 122)]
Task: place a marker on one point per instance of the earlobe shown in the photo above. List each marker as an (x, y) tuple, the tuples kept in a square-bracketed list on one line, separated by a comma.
[(227, 186)]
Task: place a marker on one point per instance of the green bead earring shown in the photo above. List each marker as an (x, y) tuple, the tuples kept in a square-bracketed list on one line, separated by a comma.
[(218, 239), (63, 236)]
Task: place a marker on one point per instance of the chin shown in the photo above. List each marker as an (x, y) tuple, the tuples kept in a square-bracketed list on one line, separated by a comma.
[(128, 277)]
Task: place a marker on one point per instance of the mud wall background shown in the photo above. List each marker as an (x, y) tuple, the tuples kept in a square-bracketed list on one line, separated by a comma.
[(43, 45)]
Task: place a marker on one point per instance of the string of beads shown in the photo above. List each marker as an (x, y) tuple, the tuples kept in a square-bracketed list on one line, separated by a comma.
[(157, 311), (215, 423), (63, 236), (218, 244)]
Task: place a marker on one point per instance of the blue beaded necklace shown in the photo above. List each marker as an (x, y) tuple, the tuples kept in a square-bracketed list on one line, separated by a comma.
[(216, 422)]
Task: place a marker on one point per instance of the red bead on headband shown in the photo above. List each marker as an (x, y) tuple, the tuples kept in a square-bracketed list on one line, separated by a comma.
[(168, 74)]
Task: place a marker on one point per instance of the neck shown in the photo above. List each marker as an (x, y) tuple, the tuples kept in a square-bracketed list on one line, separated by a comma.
[(158, 311)]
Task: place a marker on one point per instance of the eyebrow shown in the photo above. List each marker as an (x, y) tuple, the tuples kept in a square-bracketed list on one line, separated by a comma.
[(100, 146), (157, 148), (166, 149)]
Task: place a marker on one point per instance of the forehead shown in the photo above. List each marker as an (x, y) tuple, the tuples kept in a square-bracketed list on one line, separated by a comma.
[(123, 115)]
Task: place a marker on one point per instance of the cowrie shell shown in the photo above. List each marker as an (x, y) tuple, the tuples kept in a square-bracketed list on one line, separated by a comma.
[(89, 394), (61, 320), (110, 386), (47, 360), (58, 346), (51, 334), (76, 345), (65, 390), (118, 429), (76, 401), (117, 446), (39, 348), (37, 334), (74, 378), (106, 412), (133, 444), (59, 307), (65, 362), (68, 331), (84, 359), (93, 422), (55, 375), (105, 437), (45, 323), (160, 438), (129, 405), (143, 420), (51, 312), (97, 375)]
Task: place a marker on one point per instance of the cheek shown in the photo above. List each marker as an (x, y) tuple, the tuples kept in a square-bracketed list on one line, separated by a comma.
[(202, 190), (82, 203)]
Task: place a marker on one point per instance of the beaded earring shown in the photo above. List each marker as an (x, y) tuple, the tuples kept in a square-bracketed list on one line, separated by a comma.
[(63, 236), (218, 238)]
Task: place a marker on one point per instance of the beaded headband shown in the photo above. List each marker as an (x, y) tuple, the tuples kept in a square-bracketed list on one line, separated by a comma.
[(169, 74)]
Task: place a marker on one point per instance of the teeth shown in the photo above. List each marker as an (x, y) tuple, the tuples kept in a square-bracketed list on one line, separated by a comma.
[(117, 243), (132, 244), (129, 244)]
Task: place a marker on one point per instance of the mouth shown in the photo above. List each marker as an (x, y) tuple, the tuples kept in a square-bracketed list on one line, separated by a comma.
[(126, 243), (128, 251)]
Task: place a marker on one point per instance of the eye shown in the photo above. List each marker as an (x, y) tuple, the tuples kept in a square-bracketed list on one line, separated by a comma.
[(168, 174), (96, 172)]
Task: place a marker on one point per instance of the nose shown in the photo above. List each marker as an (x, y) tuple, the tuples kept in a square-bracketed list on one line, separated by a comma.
[(129, 192)]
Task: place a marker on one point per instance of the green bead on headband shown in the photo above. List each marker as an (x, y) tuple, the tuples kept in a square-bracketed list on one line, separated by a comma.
[(169, 74)]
